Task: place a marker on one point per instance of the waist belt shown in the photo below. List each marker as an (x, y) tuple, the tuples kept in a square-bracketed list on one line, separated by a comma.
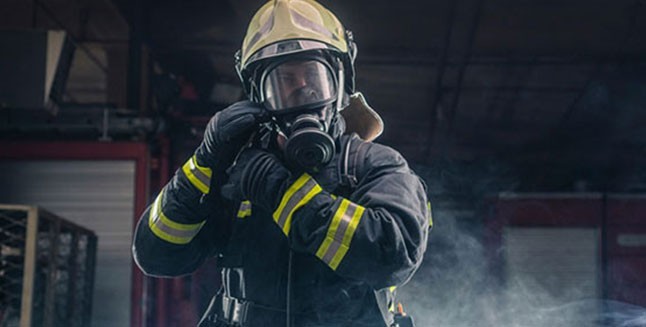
[(226, 310)]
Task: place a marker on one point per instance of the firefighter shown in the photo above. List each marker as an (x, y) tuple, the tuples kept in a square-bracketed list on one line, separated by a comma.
[(312, 223)]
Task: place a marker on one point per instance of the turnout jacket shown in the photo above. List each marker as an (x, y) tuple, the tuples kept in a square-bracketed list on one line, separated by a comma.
[(339, 243)]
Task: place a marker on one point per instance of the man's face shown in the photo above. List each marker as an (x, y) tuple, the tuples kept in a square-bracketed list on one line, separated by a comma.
[(298, 83)]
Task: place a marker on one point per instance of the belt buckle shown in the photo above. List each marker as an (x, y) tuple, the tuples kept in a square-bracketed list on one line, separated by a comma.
[(235, 310)]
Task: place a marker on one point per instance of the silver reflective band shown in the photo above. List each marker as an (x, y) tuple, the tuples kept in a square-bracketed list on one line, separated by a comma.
[(298, 83), (310, 24), (169, 230), (244, 210), (296, 196), (344, 223), (287, 47), (199, 176), (340, 233)]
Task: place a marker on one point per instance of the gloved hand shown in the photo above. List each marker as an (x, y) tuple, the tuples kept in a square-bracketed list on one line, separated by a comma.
[(257, 176), (227, 132)]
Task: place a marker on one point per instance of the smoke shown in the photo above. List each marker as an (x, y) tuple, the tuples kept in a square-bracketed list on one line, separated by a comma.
[(458, 283), (456, 287)]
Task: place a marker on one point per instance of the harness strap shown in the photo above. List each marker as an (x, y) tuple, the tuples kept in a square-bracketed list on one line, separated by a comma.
[(351, 164)]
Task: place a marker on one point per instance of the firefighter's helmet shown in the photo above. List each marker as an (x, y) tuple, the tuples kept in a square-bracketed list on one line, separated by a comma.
[(287, 31), (289, 27)]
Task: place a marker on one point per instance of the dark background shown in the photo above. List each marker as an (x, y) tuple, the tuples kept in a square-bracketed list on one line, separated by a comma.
[(482, 98)]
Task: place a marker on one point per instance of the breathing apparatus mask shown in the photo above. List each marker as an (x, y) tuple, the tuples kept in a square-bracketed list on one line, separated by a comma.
[(303, 94)]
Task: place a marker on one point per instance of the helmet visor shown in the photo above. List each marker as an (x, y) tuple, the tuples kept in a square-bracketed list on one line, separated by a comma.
[(297, 84)]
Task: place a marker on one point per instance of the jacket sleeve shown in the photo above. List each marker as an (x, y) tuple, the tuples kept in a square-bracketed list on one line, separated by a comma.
[(378, 235), (181, 228)]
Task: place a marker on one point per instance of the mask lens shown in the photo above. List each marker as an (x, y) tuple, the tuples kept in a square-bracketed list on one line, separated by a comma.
[(298, 83)]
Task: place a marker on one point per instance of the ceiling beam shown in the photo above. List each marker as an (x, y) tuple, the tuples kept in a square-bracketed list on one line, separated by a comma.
[(439, 77), (453, 111)]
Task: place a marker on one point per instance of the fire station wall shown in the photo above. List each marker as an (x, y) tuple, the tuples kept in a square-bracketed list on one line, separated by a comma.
[(98, 195), (561, 262), (627, 248), (600, 238)]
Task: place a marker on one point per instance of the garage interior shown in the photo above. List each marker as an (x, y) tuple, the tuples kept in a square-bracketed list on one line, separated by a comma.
[(525, 118)]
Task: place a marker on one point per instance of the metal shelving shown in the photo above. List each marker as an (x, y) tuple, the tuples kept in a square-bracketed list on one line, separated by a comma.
[(46, 269)]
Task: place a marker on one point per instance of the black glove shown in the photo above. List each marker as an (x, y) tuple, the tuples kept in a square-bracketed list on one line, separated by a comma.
[(257, 176), (227, 132)]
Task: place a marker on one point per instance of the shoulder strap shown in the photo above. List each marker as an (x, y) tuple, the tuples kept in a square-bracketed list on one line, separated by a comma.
[(352, 162)]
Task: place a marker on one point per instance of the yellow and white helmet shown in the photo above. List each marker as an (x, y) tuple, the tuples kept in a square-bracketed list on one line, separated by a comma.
[(283, 28)]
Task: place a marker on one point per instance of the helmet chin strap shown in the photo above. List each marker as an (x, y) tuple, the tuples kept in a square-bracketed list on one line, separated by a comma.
[(341, 87)]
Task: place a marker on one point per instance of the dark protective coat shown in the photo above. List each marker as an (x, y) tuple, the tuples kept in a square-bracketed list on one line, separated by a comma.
[(385, 249)]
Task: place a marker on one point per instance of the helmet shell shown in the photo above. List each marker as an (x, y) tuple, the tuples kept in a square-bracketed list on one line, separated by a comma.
[(282, 20)]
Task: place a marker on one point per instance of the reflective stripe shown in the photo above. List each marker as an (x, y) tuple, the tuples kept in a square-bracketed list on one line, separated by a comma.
[(269, 24), (391, 307), (200, 177), (429, 214), (307, 23), (245, 209), (340, 233), (297, 195), (169, 230)]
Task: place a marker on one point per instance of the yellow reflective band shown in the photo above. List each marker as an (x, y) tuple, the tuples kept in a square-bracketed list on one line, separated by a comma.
[(312, 193), (430, 214), (392, 289), (336, 220), (199, 176), (245, 209), (340, 233), (347, 238), (296, 196), (290, 191), (169, 230), (329, 237)]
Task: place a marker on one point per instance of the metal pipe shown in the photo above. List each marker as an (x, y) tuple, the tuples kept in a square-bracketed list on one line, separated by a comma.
[(33, 13), (439, 77), (135, 52), (604, 245), (571, 108), (72, 280), (516, 88), (74, 41), (509, 109), (604, 319), (467, 54)]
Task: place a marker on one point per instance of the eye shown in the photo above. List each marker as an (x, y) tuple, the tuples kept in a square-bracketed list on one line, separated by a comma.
[(286, 78)]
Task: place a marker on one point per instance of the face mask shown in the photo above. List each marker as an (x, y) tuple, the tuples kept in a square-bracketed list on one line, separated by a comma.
[(294, 85), (302, 96), (309, 146)]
